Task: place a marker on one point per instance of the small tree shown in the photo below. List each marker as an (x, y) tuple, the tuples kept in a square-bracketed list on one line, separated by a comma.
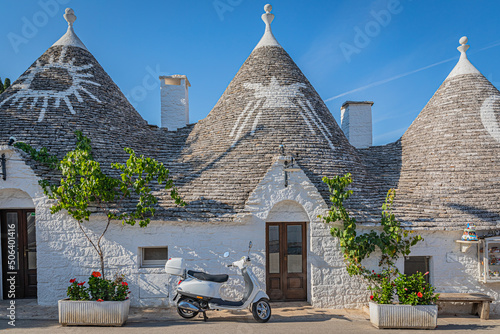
[(6, 84), (84, 186), (1, 86)]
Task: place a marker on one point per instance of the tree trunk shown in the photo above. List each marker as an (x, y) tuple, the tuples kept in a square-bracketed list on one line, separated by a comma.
[(102, 264)]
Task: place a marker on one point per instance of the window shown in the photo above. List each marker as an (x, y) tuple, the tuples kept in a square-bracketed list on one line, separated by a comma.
[(153, 256), (417, 263)]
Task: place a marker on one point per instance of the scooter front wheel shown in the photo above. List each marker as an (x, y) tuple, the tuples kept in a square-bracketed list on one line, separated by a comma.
[(261, 310), (186, 314)]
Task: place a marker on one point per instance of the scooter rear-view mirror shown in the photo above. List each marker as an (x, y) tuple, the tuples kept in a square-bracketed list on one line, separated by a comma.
[(226, 254)]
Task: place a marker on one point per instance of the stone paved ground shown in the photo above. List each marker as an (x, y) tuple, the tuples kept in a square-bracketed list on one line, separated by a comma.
[(287, 318)]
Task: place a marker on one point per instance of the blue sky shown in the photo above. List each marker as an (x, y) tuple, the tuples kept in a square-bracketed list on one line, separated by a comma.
[(395, 53)]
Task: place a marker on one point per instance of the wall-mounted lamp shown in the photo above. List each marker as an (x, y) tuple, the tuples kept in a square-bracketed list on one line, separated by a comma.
[(11, 140), (290, 164)]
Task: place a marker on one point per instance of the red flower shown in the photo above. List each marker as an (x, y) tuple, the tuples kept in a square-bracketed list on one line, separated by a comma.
[(373, 271), (100, 300), (371, 297), (96, 274), (406, 289), (80, 284), (420, 295), (124, 283), (378, 275), (427, 273), (72, 280)]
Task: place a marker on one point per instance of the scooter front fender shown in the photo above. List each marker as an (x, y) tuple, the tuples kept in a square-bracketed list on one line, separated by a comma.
[(259, 296)]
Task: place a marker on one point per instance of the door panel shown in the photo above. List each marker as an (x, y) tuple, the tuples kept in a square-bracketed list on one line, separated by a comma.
[(30, 254), (18, 229), (273, 263), (286, 267)]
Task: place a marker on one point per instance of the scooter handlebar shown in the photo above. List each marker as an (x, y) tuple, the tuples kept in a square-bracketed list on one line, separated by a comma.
[(229, 265)]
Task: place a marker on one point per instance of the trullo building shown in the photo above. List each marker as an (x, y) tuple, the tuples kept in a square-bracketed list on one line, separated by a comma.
[(233, 170)]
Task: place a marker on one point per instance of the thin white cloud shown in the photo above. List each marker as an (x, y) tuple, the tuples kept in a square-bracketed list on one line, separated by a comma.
[(399, 76)]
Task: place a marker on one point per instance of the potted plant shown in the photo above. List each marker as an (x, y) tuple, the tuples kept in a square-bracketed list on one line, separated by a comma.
[(84, 187), (102, 302), (417, 303)]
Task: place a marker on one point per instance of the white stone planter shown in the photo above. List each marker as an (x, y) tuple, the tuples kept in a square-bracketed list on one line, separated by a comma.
[(93, 313), (403, 316)]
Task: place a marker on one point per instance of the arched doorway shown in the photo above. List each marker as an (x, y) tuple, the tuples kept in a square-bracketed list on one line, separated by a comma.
[(18, 244), (286, 252)]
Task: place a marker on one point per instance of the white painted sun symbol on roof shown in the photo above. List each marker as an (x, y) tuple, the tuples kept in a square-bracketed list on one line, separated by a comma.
[(36, 86), (274, 96)]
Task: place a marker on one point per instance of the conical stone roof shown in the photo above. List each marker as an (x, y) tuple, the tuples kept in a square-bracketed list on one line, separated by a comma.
[(450, 160), (268, 103), (66, 90)]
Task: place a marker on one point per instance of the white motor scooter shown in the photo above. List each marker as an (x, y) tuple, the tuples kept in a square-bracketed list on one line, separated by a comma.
[(199, 292)]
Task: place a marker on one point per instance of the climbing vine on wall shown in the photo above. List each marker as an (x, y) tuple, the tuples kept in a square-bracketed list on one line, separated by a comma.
[(84, 186), (41, 155), (393, 241)]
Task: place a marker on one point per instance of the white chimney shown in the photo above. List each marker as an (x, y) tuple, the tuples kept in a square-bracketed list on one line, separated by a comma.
[(356, 122), (174, 101)]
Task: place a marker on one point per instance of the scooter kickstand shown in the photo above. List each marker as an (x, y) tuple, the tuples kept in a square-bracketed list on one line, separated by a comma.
[(205, 318)]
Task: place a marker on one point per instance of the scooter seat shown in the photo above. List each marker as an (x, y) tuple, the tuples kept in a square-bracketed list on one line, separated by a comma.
[(207, 277)]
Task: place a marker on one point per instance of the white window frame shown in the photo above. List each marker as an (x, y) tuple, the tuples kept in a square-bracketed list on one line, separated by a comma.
[(151, 263)]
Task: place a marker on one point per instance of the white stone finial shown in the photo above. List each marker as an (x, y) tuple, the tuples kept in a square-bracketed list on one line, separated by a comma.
[(268, 39), (70, 16), (70, 38), (463, 66), (463, 47), (267, 17)]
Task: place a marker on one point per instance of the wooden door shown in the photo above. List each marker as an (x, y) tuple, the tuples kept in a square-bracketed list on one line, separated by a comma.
[(18, 253), (286, 261)]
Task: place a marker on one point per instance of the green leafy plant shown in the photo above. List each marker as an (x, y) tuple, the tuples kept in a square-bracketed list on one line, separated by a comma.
[(77, 290), (383, 292), (85, 186), (99, 288), (393, 241), (41, 155), (414, 290)]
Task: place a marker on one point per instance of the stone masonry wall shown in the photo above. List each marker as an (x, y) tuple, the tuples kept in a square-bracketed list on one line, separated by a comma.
[(64, 253)]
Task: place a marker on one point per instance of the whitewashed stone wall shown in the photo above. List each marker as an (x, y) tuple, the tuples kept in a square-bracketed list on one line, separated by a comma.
[(201, 245), (328, 282), (64, 253)]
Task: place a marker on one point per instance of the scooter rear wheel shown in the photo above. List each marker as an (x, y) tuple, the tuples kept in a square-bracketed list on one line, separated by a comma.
[(261, 310), (186, 314)]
